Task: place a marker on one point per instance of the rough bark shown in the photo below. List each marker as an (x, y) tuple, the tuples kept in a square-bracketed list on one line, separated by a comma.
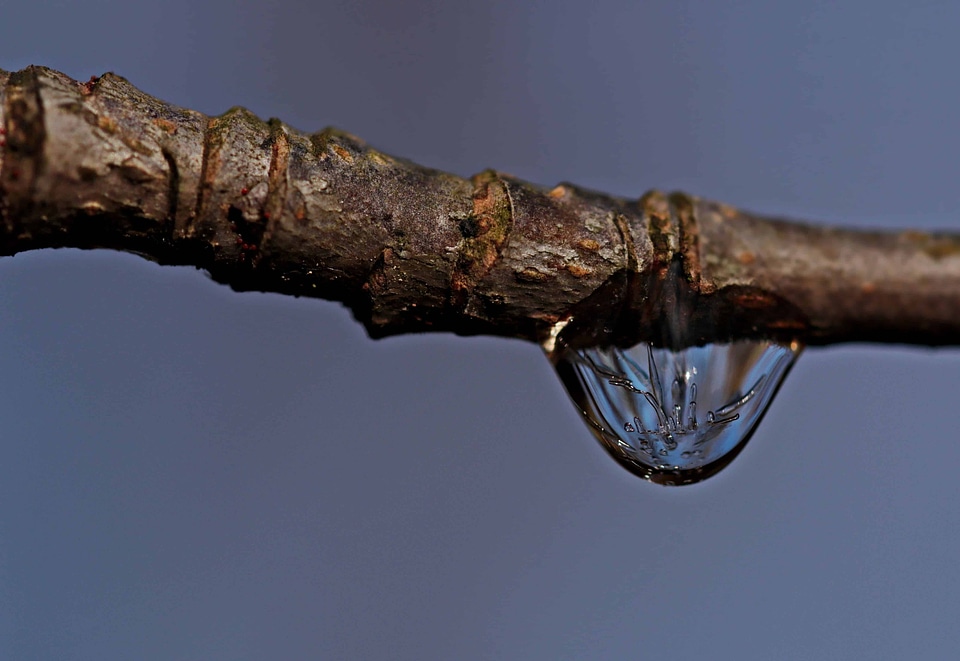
[(263, 206)]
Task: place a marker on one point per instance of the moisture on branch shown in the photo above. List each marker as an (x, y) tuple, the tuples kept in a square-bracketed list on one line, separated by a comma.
[(263, 206)]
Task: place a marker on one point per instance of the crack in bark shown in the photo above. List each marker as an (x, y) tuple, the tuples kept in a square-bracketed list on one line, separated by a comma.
[(688, 238), (173, 189), (276, 184), (187, 229), (632, 261)]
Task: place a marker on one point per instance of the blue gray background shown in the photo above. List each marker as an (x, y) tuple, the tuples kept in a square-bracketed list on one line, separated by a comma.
[(190, 473)]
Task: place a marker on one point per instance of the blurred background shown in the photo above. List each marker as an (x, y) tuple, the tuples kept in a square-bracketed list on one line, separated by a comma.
[(190, 473)]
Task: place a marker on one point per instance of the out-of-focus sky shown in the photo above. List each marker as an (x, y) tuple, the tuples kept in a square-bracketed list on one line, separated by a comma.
[(190, 473)]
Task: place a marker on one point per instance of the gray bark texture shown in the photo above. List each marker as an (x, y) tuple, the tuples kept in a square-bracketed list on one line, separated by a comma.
[(263, 206)]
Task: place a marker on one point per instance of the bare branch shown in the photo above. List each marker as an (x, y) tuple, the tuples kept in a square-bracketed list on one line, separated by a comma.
[(263, 206)]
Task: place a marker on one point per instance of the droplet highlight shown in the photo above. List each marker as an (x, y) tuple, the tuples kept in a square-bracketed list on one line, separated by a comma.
[(674, 416)]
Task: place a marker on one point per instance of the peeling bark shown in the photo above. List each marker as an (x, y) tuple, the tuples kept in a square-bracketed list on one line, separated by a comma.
[(265, 207)]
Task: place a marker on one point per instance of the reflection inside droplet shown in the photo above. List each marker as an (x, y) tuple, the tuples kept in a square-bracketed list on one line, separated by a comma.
[(674, 416)]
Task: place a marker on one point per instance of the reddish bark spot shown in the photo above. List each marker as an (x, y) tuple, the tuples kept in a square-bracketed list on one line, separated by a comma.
[(578, 271), (746, 258), (108, 124), (787, 324), (531, 274), (727, 212), (87, 87), (755, 300), (342, 153), (166, 125)]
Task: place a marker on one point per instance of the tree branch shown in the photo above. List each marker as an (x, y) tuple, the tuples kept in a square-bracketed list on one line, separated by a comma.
[(265, 207)]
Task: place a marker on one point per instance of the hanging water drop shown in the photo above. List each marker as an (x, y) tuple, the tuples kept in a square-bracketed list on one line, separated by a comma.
[(716, 395)]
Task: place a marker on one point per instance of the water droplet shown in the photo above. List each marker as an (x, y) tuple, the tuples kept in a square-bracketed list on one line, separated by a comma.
[(716, 395)]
